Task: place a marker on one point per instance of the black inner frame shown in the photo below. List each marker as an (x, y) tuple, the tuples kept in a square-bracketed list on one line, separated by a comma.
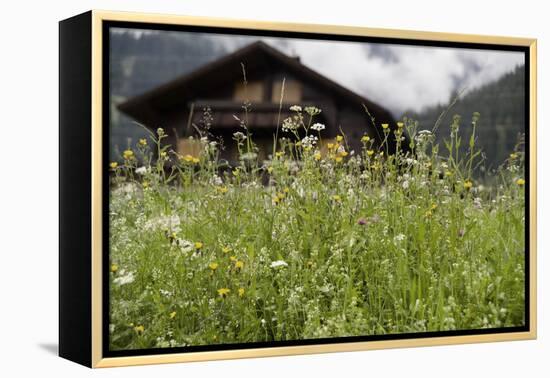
[(106, 25)]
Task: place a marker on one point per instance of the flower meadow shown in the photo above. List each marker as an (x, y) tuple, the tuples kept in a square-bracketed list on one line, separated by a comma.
[(319, 241)]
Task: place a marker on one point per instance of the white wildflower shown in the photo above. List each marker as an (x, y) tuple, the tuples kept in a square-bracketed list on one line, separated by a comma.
[(124, 278), (141, 170), (278, 263), (296, 108), (312, 110), (163, 223), (185, 245), (289, 124), (477, 203), (239, 136), (318, 127), (250, 156), (216, 180), (309, 141), (399, 237)]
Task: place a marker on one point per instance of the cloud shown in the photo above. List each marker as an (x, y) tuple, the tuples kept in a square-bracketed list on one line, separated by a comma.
[(404, 77), (400, 77), (381, 51)]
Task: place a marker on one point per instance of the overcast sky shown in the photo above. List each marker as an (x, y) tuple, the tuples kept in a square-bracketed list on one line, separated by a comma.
[(399, 76)]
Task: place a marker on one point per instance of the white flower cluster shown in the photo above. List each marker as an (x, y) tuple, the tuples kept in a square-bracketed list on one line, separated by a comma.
[(289, 124), (250, 156), (171, 223), (312, 110), (278, 263), (239, 136), (185, 245), (309, 141), (141, 170), (216, 180), (124, 278), (318, 127)]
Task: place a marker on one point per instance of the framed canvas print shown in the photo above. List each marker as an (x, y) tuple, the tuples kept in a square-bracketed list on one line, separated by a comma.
[(235, 189)]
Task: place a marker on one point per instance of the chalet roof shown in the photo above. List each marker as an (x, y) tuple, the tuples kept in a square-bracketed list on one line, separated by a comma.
[(147, 107)]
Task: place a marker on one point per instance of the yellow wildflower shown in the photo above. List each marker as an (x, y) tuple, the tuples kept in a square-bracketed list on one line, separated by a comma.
[(338, 159), (317, 156), (278, 197), (385, 126), (113, 165), (222, 189), (279, 154), (339, 138), (513, 155), (198, 245), (139, 329), (336, 198), (163, 154), (128, 154), (114, 268), (448, 173), (400, 124), (223, 292), (434, 206), (188, 158), (370, 152), (195, 160), (241, 292), (365, 138), (343, 153), (233, 258), (520, 182), (468, 184), (172, 314), (145, 184), (213, 266), (143, 142), (226, 249), (269, 169), (239, 265), (330, 146), (286, 190)]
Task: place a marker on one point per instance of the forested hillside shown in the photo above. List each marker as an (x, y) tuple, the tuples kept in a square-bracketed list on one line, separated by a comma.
[(502, 108)]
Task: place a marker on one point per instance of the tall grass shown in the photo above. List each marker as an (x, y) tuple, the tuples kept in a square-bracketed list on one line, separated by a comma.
[(318, 241)]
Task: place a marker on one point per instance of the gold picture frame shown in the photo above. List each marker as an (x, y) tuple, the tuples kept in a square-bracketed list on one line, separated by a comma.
[(76, 271)]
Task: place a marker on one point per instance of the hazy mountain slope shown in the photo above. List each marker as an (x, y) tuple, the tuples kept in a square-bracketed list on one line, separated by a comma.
[(502, 108)]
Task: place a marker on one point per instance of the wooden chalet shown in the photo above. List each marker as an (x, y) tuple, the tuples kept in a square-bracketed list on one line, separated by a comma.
[(219, 85)]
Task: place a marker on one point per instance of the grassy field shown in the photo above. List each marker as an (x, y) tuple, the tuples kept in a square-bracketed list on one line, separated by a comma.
[(319, 241)]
